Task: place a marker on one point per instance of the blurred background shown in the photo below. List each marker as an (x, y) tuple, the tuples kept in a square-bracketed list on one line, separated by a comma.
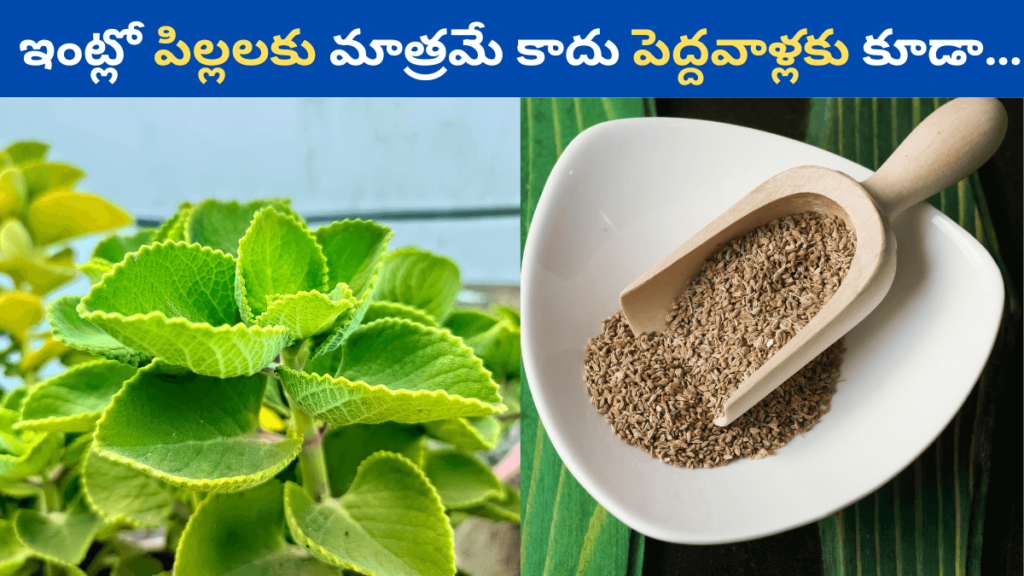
[(443, 173)]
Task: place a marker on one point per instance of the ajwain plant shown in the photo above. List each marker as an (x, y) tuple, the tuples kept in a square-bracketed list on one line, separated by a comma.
[(280, 400)]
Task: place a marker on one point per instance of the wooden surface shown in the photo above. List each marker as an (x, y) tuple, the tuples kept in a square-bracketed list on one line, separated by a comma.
[(565, 532), (957, 510)]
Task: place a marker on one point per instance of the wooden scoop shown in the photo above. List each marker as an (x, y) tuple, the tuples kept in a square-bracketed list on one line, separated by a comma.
[(951, 143)]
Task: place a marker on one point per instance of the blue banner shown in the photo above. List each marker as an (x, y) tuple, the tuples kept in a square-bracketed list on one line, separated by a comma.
[(524, 50)]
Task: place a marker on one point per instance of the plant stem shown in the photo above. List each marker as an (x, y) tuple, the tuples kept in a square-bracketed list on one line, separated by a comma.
[(51, 496), (312, 463)]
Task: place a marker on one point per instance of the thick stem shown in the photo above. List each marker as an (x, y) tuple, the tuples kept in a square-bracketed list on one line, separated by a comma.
[(51, 496), (312, 463), (311, 460), (51, 502)]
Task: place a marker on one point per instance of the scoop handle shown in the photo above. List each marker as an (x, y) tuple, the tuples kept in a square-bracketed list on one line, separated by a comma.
[(949, 144)]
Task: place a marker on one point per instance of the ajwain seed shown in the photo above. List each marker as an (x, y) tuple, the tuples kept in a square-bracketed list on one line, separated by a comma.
[(746, 302)]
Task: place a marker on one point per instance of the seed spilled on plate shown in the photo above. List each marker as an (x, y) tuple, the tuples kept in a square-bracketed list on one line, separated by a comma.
[(662, 391)]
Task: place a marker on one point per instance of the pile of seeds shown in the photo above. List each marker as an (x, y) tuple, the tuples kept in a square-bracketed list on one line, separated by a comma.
[(662, 391)]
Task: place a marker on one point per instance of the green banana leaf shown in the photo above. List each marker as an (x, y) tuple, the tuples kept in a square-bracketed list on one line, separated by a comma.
[(564, 531), (929, 519)]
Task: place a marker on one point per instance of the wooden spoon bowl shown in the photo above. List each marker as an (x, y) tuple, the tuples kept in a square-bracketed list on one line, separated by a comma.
[(948, 145)]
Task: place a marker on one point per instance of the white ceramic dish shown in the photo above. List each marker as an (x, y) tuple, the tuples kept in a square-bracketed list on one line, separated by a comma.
[(624, 194)]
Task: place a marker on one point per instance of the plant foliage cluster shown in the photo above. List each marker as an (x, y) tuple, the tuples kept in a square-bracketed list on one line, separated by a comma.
[(275, 400)]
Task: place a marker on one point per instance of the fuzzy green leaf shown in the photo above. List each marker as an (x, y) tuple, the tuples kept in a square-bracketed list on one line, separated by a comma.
[(243, 535), (175, 301), (24, 453), (70, 329), (345, 448), (277, 255), (75, 449), (493, 338), (59, 537), (467, 433), (120, 493), (15, 399), (42, 177), (504, 509), (378, 310), (174, 227), (95, 268), (114, 248), (307, 314), (13, 554), (419, 279), (462, 480), (73, 401), (220, 225), (354, 250), (389, 523), (176, 279), (193, 431), (396, 370), (326, 364)]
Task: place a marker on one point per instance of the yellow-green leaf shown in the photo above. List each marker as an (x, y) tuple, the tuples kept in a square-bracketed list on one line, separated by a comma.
[(13, 192), (19, 311), (64, 214)]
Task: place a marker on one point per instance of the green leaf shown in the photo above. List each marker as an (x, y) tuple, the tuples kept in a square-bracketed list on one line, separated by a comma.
[(14, 399), (345, 448), (462, 480), (419, 279), (113, 249), (243, 534), (307, 314), (139, 565), (493, 338), (65, 214), (41, 177), (174, 227), (399, 371), (467, 433), (25, 151), (75, 449), (326, 364), (277, 255), (95, 268), (175, 301), (220, 225), (13, 554), (504, 509), (354, 250), (509, 313), (378, 310), (73, 401), (389, 523), (76, 332), (120, 493), (25, 453), (59, 537), (193, 431)]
